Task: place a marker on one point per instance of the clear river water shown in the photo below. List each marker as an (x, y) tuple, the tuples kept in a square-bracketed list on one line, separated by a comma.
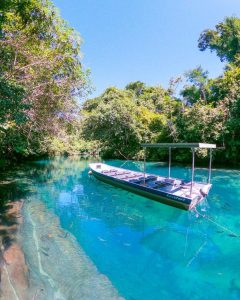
[(84, 239)]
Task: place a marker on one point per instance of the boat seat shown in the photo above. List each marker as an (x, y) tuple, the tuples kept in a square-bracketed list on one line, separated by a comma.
[(173, 181), (121, 173), (130, 176), (159, 183), (151, 177), (135, 180), (148, 178), (109, 171), (151, 184)]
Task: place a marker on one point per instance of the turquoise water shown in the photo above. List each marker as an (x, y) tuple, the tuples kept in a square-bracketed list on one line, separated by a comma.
[(133, 247)]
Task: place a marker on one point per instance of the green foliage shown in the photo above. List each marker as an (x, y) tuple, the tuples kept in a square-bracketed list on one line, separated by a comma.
[(201, 123), (225, 40), (136, 87), (122, 119), (199, 88), (12, 102), (40, 77), (228, 88), (114, 122), (208, 110)]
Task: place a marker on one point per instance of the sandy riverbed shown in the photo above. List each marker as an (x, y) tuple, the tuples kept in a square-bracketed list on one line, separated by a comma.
[(39, 260)]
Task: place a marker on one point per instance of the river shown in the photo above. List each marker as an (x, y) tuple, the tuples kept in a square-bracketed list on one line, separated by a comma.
[(77, 238)]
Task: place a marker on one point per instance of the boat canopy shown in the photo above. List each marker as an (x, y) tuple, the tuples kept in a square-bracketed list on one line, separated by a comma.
[(191, 146), (179, 145)]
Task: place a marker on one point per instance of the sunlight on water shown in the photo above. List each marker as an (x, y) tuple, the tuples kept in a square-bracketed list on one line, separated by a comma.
[(84, 239)]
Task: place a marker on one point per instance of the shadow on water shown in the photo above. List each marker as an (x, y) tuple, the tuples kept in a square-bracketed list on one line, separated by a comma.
[(12, 194), (10, 191), (16, 185)]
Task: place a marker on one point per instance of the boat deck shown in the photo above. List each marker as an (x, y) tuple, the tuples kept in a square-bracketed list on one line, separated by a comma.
[(173, 186)]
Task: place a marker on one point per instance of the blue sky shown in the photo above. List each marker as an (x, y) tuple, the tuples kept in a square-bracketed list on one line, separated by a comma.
[(146, 40)]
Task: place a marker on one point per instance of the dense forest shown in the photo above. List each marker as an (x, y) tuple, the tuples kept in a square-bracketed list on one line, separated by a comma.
[(42, 83), (41, 78)]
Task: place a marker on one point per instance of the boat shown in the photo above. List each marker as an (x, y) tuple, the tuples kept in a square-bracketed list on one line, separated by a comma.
[(165, 189)]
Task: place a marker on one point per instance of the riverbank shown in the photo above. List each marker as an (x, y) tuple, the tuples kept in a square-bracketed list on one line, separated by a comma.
[(6, 165)]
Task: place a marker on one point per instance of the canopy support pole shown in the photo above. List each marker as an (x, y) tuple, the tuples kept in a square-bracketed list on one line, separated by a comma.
[(169, 161), (193, 169), (144, 166), (210, 166)]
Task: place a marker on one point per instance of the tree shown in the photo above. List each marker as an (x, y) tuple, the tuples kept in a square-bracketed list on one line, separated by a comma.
[(12, 103), (153, 114), (227, 89), (198, 90), (39, 52), (114, 123), (201, 123), (225, 40), (136, 87), (121, 121)]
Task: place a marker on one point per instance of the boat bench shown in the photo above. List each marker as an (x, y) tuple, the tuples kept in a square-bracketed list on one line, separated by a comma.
[(167, 182), (109, 171), (140, 179), (120, 174), (148, 178), (135, 180), (173, 181), (115, 173)]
